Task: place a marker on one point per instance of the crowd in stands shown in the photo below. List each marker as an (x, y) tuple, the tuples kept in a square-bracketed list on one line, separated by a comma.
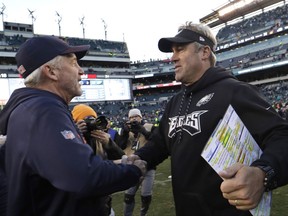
[(268, 22), (100, 45), (112, 48), (153, 105), (252, 55), (98, 49), (277, 95)]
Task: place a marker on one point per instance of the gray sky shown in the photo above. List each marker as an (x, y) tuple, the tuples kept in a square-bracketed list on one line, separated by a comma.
[(140, 23)]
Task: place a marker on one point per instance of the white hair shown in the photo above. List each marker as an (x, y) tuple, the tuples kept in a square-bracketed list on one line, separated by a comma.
[(35, 77)]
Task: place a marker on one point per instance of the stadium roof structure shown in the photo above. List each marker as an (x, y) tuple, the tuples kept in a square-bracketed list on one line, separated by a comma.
[(235, 9)]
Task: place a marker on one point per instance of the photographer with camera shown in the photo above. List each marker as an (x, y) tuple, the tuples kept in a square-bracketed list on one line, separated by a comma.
[(135, 135), (93, 130)]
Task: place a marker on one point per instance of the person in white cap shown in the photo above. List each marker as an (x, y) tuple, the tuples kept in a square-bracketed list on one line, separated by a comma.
[(135, 135)]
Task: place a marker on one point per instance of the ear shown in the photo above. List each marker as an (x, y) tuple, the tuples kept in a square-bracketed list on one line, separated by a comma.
[(206, 52), (49, 72)]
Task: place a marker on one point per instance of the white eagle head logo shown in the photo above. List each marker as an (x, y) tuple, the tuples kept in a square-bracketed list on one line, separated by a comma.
[(204, 100)]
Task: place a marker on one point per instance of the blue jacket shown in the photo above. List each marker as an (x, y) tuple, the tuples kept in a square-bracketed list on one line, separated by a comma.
[(3, 183), (50, 171)]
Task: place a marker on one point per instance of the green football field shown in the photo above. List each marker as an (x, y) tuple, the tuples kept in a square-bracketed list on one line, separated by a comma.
[(162, 202)]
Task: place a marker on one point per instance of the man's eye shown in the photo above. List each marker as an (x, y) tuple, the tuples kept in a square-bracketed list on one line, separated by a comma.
[(179, 48)]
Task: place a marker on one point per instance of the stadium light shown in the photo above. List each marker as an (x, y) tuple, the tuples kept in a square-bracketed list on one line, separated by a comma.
[(32, 17), (82, 24), (105, 28), (59, 22), (2, 12)]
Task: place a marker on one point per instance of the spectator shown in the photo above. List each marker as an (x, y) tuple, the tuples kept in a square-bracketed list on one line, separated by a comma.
[(92, 129), (191, 116), (49, 169), (112, 132), (136, 135)]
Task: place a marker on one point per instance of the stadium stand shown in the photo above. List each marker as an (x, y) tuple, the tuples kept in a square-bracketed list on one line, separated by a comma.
[(252, 43)]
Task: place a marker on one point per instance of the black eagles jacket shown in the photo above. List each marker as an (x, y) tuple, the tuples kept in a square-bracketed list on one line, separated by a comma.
[(189, 120)]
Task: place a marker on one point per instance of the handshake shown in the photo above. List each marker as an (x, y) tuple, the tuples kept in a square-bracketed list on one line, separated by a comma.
[(135, 160)]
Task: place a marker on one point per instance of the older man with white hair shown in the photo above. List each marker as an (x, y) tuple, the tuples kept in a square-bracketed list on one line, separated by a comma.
[(50, 171)]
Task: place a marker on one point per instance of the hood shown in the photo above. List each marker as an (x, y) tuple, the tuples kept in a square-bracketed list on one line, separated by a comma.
[(211, 76), (17, 97)]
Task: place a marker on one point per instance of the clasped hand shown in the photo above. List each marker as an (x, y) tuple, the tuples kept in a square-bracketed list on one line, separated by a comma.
[(242, 186), (135, 160)]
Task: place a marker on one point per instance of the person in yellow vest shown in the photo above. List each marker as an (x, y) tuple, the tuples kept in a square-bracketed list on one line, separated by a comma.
[(135, 135), (93, 128)]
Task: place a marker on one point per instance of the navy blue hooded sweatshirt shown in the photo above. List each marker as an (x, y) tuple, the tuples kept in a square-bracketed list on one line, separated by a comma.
[(189, 120), (50, 171)]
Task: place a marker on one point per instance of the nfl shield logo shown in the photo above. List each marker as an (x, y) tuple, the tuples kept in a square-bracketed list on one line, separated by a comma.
[(68, 134)]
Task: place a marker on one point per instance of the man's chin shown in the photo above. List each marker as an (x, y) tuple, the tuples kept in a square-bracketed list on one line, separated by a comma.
[(177, 79), (79, 93)]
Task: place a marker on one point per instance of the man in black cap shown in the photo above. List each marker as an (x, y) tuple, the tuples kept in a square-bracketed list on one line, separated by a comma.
[(50, 171), (191, 116)]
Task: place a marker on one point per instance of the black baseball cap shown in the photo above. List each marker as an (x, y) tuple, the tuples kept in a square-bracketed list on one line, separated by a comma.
[(37, 51), (184, 36)]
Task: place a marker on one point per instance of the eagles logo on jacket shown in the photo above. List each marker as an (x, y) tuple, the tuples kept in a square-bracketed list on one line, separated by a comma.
[(190, 118)]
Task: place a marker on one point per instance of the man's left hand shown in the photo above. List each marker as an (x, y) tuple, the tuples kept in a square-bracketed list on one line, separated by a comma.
[(243, 186)]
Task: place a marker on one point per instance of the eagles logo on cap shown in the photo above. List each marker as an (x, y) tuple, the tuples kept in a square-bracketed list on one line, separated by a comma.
[(201, 39)]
